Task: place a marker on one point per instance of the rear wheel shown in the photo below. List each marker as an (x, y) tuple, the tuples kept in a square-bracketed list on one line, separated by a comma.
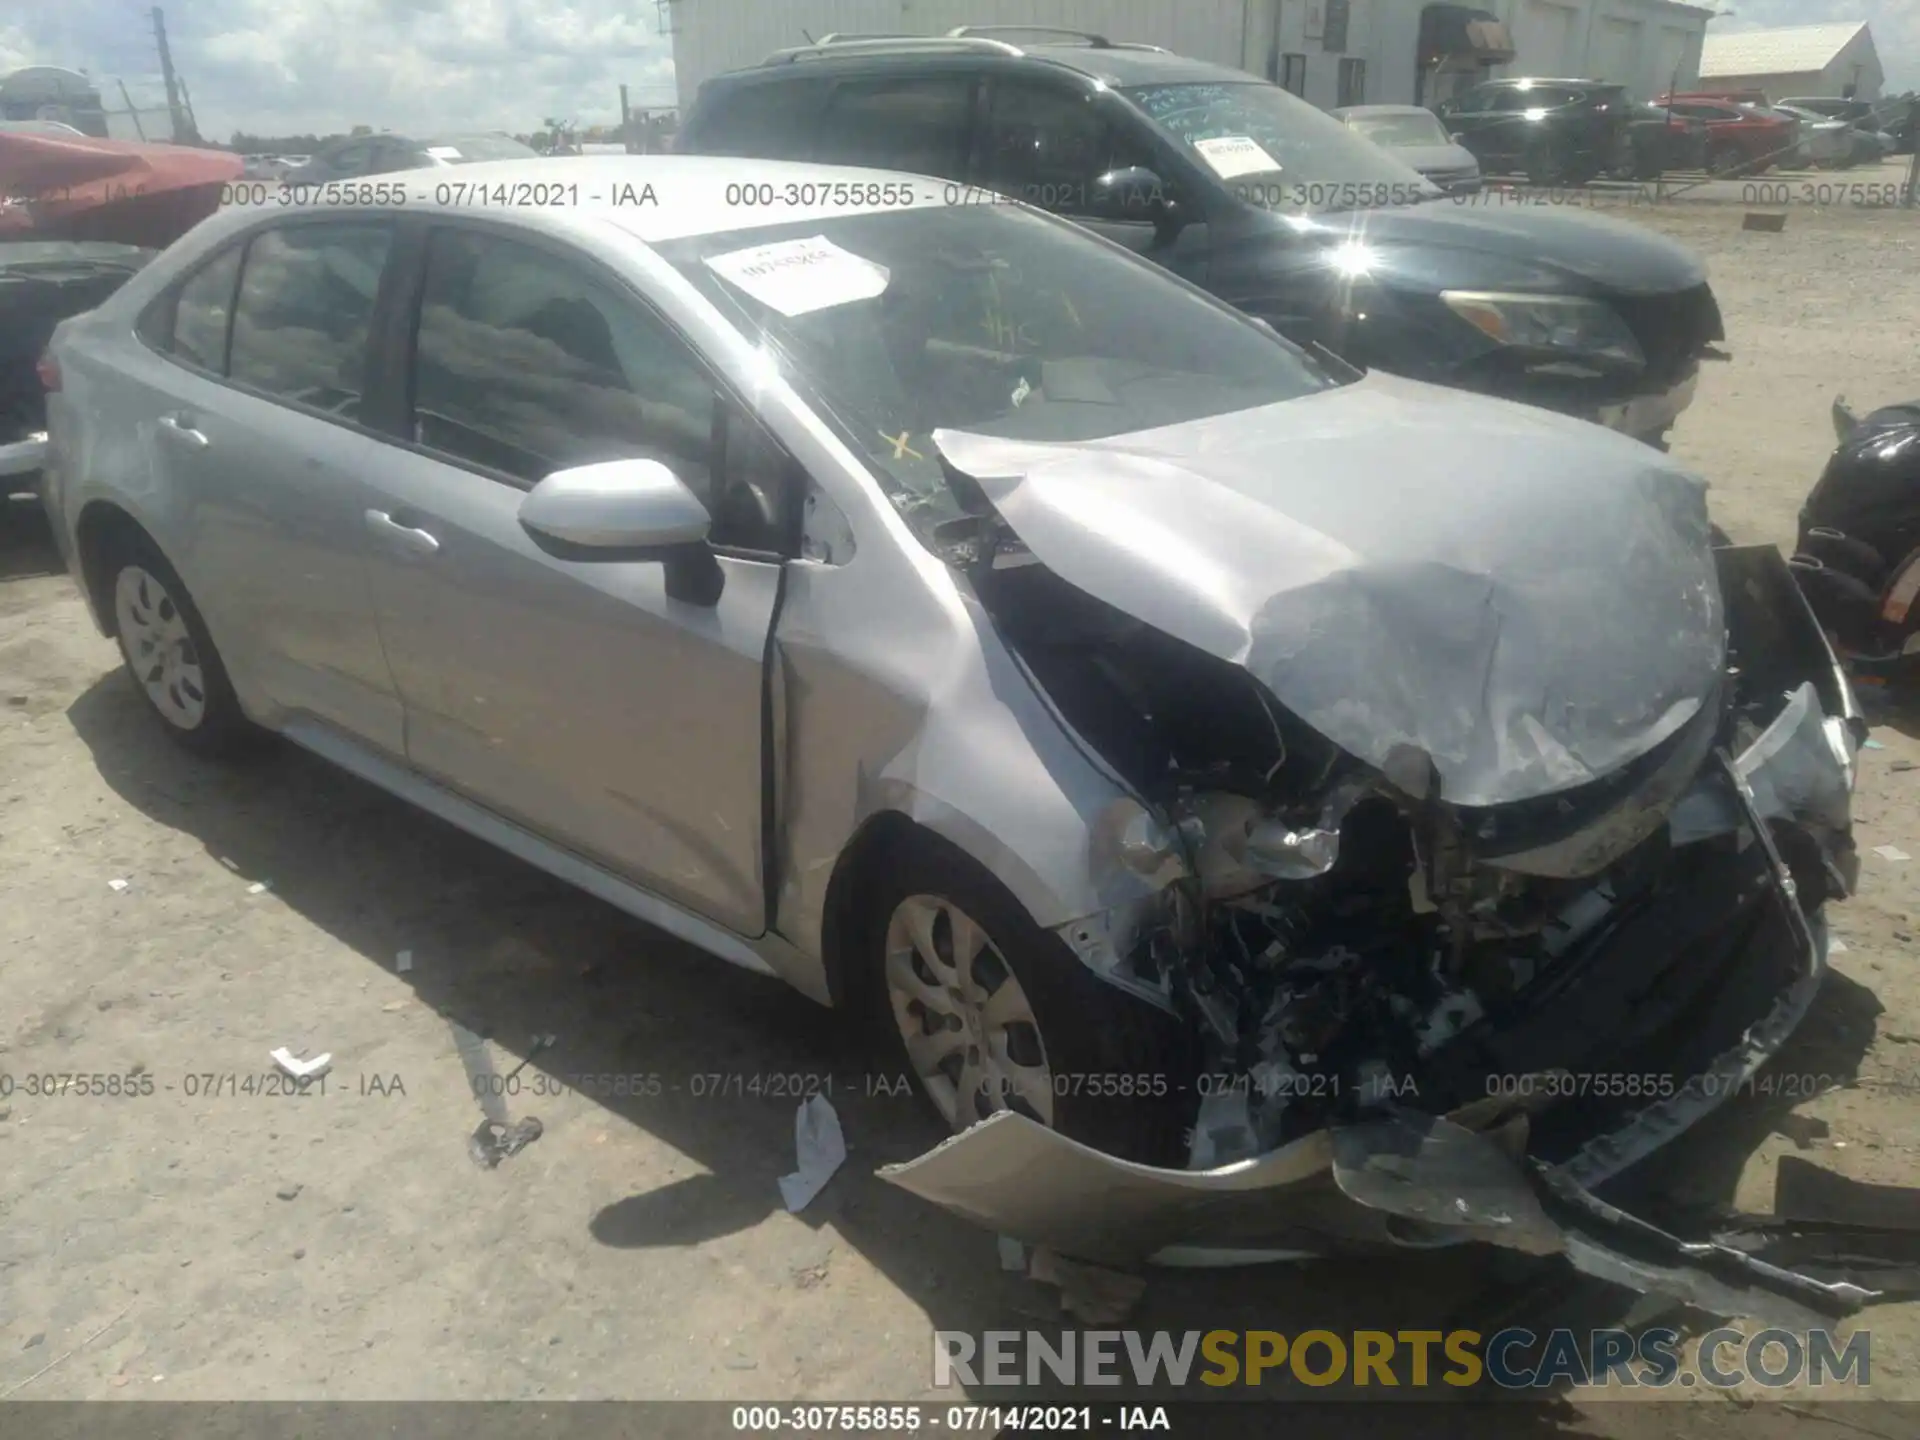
[(988, 1012), (1725, 159), (170, 655)]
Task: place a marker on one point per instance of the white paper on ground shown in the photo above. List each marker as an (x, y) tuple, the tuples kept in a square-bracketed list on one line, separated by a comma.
[(797, 277), (822, 1150), (1231, 155), (298, 1068), (1891, 852)]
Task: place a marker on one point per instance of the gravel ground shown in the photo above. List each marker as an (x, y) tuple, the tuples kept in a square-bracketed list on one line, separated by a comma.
[(244, 1245)]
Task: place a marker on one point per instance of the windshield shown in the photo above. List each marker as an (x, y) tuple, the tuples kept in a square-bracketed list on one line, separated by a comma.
[(984, 318), (466, 149), (1410, 128), (1275, 150)]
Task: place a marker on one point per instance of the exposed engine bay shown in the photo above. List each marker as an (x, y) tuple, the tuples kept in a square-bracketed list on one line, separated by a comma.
[(1341, 940)]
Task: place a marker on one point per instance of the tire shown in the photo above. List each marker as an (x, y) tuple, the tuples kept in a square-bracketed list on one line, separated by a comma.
[(1724, 159), (1091, 1041), (1542, 164), (170, 655)]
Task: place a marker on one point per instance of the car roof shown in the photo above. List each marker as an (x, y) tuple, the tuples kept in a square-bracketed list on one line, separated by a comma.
[(693, 194), (1118, 66), (1382, 110), (1520, 82)]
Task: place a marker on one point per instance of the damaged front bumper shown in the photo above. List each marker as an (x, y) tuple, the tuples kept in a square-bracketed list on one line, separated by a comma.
[(1518, 1168)]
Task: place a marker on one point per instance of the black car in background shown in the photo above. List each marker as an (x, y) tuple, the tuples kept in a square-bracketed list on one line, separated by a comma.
[(1555, 132), (1251, 193), (355, 156)]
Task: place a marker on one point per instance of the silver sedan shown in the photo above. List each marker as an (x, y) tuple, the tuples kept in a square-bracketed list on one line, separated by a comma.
[(1209, 768)]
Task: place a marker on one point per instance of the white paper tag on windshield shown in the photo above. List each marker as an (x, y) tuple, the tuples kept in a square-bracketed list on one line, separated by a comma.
[(443, 152), (797, 277), (1232, 155)]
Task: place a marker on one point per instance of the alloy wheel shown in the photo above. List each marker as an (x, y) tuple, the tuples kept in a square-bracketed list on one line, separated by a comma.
[(968, 1026), (159, 650)]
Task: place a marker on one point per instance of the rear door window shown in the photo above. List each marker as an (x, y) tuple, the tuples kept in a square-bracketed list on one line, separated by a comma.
[(305, 309), (771, 122), (201, 312), (918, 125)]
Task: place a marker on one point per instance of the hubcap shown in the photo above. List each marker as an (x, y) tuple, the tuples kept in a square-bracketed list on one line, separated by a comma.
[(159, 651), (969, 1028)]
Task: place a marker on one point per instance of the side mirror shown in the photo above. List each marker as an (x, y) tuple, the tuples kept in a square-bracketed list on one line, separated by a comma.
[(1136, 193), (616, 505), (631, 510)]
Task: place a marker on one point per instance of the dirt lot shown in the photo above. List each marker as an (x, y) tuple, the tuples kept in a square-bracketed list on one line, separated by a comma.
[(343, 1245)]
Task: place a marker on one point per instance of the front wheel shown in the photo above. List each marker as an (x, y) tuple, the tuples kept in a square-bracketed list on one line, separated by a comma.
[(988, 1012)]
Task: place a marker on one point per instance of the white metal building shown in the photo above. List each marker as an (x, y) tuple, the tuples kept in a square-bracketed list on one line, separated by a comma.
[(1332, 52), (1837, 60)]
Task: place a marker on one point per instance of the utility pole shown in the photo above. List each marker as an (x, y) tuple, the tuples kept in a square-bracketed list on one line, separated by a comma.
[(182, 126), (626, 122)]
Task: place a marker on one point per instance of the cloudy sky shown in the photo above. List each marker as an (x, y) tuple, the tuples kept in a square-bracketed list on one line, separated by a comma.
[(297, 66), (292, 66)]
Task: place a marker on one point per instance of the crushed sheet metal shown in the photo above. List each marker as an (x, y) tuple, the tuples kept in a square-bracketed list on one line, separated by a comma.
[(1453, 619)]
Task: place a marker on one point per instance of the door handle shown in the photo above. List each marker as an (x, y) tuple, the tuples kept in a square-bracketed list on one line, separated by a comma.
[(180, 428), (408, 537)]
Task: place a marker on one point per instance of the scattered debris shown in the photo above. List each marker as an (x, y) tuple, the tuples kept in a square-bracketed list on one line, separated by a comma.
[(1891, 852), (403, 962), (259, 887), (821, 1148), (300, 1254), (117, 885), (393, 1005), (1013, 1255), (1873, 745), (38, 1337), (1767, 224), (1903, 765), (301, 1069), (287, 1192), (1090, 1293), (1836, 946), (493, 1142)]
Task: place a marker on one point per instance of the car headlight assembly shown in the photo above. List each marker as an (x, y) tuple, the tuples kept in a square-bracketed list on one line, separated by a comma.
[(1564, 326)]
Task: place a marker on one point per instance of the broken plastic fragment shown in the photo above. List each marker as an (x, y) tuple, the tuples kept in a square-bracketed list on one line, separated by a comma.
[(822, 1150), (301, 1069), (117, 885), (493, 1141), (259, 887)]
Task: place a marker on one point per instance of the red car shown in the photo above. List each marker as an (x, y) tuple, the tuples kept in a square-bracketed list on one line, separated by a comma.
[(1741, 139)]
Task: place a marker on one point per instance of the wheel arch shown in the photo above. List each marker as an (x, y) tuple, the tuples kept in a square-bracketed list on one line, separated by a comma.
[(103, 531)]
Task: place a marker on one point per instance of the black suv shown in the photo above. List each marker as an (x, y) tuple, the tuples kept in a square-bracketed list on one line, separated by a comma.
[(1257, 196), (1555, 132)]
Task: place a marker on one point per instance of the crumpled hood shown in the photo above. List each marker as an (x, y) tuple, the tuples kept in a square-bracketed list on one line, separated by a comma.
[(1528, 599)]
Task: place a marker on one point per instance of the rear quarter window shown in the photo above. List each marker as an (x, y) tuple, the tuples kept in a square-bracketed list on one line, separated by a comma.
[(768, 121)]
